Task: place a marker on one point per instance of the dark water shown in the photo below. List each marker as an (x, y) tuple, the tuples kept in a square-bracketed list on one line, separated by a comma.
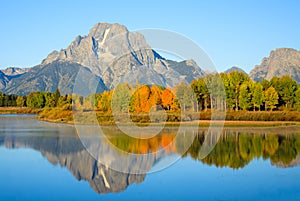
[(44, 161)]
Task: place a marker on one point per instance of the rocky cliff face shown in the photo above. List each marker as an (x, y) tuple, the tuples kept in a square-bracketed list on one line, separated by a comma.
[(110, 52), (282, 61)]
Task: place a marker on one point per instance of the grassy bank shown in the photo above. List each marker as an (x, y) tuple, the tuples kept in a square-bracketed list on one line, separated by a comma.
[(19, 110), (233, 118)]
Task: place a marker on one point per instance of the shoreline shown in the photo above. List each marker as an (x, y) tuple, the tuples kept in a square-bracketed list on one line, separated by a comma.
[(199, 123), (68, 119)]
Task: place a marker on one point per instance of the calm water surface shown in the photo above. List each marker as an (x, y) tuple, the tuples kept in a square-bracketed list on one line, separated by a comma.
[(44, 161)]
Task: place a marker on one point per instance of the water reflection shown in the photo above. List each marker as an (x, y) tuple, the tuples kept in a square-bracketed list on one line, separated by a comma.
[(60, 145), (237, 149)]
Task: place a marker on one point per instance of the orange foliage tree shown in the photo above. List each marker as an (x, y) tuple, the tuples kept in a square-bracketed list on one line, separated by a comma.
[(168, 100)]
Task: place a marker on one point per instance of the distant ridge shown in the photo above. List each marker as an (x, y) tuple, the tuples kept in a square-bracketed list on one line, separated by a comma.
[(234, 68)]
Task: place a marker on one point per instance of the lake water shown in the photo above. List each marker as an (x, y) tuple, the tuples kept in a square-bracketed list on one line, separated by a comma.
[(46, 161)]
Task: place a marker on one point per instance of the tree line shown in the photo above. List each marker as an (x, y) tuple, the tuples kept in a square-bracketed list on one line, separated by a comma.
[(241, 93), (36, 100)]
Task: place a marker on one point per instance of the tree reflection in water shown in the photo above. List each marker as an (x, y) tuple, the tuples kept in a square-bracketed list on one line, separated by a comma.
[(235, 149)]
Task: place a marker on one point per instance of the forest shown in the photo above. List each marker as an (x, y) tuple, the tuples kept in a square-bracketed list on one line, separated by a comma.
[(241, 93)]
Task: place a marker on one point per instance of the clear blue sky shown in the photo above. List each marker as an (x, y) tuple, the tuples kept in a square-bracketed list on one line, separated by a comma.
[(233, 33)]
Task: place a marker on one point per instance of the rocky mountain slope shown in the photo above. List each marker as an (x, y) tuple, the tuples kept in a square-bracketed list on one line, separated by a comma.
[(49, 77), (110, 52), (14, 71), (9, 73), (282, 61)]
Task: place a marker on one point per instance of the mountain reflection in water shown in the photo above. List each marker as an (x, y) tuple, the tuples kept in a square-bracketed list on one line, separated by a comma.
[(235, 149)]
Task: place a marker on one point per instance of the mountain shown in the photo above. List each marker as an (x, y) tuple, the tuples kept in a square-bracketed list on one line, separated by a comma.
[(14, 71), (116, 55), (234, 68), (110, 52), (3, 81), (282, 61), (49, 77)]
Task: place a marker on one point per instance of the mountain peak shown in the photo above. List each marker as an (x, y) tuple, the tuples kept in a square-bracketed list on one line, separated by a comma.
[(281, 61), (101, 30)]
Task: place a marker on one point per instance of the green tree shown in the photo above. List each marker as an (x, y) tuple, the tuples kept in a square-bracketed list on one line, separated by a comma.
[(229, 89), (245, 96), (121, 98), (185, 96), (297, 99), (35, 100), (49, 99), (56, 96), (286, 88), (21, 101), (270, 98), (257, 95), (265, 84), (2, 95), (201, 91), (236, 79)]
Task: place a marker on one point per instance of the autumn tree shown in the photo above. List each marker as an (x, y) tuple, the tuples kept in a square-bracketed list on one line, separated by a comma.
[(155, 97), (168, 100), (140, 99)]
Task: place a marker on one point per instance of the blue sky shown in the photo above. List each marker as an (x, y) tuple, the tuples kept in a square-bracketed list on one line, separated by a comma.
[(233, 33)]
